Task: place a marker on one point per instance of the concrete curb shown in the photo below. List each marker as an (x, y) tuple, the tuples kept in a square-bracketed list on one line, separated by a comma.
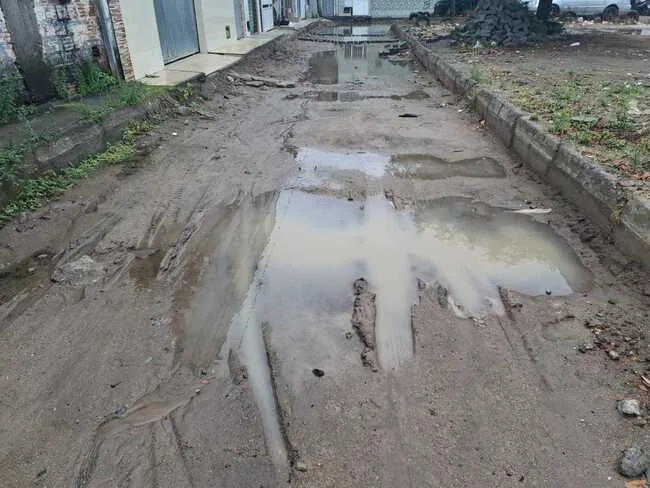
[(623, 213)]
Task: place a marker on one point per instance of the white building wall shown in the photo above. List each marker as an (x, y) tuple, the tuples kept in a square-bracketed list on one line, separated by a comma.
[(213, 18), (139, 19), (399, 8)]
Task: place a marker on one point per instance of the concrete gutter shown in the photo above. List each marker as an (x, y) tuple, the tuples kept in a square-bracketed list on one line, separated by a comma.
[(624, 214)]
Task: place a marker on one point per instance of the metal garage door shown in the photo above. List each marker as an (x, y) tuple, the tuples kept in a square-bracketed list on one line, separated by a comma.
[(176, 21)]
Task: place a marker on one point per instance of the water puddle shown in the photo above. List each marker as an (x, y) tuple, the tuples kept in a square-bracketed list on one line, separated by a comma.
[(230, 242), (351, 62), (428, 167), (298, 301), (472, 248)]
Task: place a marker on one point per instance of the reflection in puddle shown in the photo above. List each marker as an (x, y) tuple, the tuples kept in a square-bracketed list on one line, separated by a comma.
[(471, 248), (301, 293), (351, 63)]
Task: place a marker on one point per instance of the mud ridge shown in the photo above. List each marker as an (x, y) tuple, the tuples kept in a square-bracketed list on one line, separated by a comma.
[(283, 422), (364, 315)]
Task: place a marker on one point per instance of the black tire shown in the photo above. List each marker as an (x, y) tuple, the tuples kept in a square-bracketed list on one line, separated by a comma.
[(610, 13)]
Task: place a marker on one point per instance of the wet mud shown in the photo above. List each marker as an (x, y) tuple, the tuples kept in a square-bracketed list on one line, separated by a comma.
[(427, 167), (260, 321)]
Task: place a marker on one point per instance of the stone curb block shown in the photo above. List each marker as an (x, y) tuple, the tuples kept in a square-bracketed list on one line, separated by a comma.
[(534, 146), (586, 184), (504, 120), (632, 233), (82, 139), (582, 181), (70, 148)]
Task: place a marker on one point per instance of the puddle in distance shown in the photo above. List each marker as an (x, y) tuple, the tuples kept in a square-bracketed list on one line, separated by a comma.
[(353, 62)]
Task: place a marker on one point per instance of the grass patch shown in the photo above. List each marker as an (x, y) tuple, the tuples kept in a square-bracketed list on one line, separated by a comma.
[(122, 95), (34, 192), (597, 114)]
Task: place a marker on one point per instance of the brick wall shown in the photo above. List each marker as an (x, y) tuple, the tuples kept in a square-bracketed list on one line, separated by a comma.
[(120, 37), (68, 30), (6, 50), (399, 8)]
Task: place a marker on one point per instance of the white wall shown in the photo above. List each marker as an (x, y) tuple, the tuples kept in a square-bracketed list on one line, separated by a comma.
[(212, 17), (142, 37)]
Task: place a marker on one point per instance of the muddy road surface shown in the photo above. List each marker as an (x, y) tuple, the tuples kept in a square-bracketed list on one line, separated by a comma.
[(348, 282)]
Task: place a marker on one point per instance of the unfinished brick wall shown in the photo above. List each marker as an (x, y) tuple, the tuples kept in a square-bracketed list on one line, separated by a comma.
[(68, 30), (120, 37)]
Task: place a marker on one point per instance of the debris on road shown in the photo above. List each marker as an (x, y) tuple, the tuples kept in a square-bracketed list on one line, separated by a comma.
[(408, 116), (260, 81), (83, 271), (593, 322), (629, 407), (633, 462), (533, 211), (300, 466), (613, 355), (319, 373), (586, 347)]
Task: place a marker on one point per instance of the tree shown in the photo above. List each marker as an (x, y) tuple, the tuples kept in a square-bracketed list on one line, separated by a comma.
[(544, 8)]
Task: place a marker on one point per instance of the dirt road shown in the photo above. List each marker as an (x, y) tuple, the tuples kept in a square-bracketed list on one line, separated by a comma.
[(345, 283)]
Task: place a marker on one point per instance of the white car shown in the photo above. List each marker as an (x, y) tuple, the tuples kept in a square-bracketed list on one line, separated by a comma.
[(607, 9)]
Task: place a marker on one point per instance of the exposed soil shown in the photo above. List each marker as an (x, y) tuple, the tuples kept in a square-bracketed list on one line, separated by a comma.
[(200, 328)]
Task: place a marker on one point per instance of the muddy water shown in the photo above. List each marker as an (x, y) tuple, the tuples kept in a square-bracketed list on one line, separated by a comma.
[(300, 300)]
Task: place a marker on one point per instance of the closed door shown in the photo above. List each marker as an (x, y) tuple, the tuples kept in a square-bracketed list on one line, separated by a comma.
[(266, 9), (176, 21), (360, 7)]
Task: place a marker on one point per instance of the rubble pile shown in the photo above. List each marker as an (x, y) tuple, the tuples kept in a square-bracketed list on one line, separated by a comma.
[(504, 23), (432, 32)]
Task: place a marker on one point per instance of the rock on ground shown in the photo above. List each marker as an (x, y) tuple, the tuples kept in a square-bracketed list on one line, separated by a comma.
[(83, 271), (633, 462), (629, 407)]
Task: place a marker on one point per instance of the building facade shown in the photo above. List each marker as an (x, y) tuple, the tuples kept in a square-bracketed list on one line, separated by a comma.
[(374, 8), (132, 38)]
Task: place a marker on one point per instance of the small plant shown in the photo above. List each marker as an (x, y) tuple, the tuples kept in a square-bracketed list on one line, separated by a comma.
[(11, 88), (185, 92), (32, 193), (90, 80), (477, 74)]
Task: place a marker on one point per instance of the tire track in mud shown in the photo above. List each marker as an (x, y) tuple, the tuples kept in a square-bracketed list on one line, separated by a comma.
[(281, 412), (508, 306)]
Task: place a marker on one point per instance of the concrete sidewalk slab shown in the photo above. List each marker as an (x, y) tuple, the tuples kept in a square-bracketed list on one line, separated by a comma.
[(246, 45), (168, 77)]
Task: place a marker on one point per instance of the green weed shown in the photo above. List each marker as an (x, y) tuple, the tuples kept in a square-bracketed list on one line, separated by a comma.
[(34, 192)]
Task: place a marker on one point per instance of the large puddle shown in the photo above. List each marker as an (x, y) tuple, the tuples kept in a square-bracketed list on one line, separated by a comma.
[(300, 300)]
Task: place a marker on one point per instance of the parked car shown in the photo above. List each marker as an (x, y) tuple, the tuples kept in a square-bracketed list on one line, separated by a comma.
[(607, 9)]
